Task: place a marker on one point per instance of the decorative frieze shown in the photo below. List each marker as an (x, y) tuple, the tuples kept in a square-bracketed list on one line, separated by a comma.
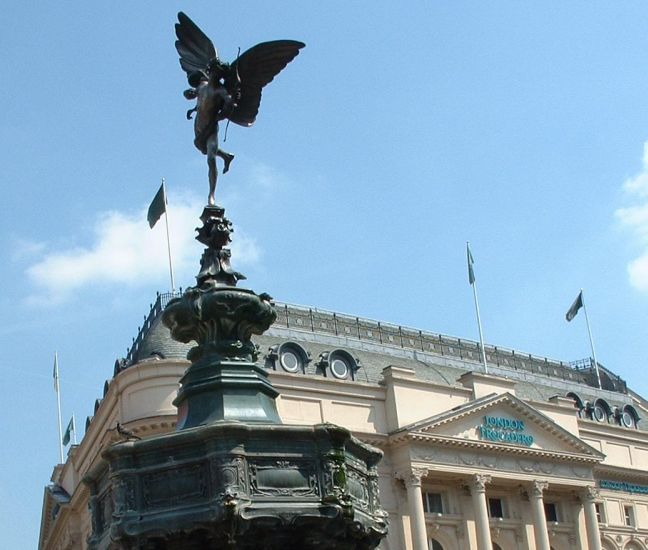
[(498, 463)]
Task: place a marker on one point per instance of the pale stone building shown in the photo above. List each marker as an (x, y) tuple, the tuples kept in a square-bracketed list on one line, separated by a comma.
[(532, 455)]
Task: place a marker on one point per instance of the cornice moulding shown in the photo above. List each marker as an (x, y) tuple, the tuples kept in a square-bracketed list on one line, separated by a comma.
[(449, 441)]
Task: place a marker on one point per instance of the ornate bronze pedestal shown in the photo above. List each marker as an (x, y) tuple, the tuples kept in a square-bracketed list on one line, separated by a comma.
[(233, 476)]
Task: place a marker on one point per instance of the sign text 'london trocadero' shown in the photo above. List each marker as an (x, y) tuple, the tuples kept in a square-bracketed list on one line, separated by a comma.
[(504, 430)]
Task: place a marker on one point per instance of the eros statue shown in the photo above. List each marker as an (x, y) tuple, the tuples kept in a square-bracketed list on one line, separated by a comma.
[(222, 91)]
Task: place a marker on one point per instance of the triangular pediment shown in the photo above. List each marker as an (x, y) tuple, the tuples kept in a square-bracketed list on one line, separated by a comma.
[(502, 421)]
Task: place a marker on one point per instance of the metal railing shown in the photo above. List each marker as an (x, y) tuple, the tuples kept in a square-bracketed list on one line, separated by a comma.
[(156, 308), (588, 366), (327, 322), (583, 364)]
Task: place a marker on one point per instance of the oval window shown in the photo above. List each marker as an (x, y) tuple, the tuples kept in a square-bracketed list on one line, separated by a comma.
[(290, 361), (599, 413), (627, 419), (340, 368)]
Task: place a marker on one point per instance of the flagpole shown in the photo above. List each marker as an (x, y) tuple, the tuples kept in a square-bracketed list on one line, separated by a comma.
[(473, 283), (166, 220), (481, 335), (74, 430), (58, 403), (589, 332)]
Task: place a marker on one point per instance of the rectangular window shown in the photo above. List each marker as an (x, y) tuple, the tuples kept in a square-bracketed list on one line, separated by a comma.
[(628, 512), (432, 503), (551, 511), (600, 512), (495, 508)]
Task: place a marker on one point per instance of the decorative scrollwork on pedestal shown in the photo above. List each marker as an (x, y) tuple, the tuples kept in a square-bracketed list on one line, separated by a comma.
[(335, 480), (221, 320), (283, 478)]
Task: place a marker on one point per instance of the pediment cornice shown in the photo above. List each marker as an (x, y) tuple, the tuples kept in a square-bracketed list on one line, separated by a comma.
[(428, 431), (460, 443)]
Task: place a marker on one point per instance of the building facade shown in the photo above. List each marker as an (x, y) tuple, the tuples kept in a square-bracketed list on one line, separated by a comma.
[(532, 455)]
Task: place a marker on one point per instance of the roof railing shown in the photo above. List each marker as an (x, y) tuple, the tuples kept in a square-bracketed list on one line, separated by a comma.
[(161, 301), (322, 321), (340, 324)]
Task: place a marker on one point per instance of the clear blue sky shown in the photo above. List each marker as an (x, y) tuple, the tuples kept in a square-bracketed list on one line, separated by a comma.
[(397, 135)]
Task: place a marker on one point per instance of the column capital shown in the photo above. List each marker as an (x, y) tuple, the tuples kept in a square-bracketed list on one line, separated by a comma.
[(411, 476), (590, 493), (538, 487), (478, 482)]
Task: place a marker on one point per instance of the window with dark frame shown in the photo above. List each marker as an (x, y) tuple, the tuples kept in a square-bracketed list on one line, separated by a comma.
[(495, 508), (432, 503), (551, 511)]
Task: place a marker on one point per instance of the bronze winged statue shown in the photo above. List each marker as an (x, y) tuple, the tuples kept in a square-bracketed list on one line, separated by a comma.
[(222, 91)]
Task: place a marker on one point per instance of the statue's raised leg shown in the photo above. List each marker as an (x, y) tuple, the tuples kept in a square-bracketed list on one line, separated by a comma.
[(227, 159)]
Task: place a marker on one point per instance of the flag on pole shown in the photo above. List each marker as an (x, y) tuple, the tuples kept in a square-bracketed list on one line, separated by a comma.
[(471, 273), (71, 428), (573, 310), (56, 373), (471, 280), (157, 208)]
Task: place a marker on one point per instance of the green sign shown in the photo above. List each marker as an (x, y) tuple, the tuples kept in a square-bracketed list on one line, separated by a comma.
[(504, 430), (623, 486)]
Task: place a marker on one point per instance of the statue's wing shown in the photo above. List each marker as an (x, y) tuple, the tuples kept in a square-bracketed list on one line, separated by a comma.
[(194, 47), (252, 71)]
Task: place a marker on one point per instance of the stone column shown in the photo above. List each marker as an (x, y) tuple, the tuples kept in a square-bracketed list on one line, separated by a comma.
[(412, 481), (478, 493), (539, 517), (589, 496)]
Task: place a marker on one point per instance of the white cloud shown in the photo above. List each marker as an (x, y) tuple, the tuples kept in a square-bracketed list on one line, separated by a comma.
[(638, 272), (639, 184), (635, 217), (124, 251)]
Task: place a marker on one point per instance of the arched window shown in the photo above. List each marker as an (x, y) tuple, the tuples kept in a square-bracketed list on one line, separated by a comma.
[(578, 402), (600, 411), (629, 417), (435, 545), (288, 357)]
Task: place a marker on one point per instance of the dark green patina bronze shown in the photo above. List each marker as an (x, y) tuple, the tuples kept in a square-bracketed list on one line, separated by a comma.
[(239, 485), (224, 382), (233, 476)]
